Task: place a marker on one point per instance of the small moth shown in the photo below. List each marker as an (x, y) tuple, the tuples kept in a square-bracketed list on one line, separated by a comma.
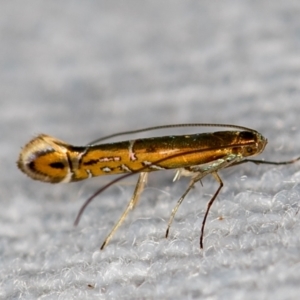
[(195, 155)]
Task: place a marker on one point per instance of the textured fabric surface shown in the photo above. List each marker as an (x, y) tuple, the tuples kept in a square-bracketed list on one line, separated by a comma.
[(79, 70)]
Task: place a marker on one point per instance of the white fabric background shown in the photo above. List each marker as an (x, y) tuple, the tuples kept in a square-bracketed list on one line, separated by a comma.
[(79, 70)]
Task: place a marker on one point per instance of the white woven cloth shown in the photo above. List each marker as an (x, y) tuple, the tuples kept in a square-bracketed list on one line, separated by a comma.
[(79, 70)]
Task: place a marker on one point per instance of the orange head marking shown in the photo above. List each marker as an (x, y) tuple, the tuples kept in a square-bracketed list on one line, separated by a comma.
[(46, 159)]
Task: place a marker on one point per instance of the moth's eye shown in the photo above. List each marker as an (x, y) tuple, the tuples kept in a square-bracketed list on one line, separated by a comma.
[(249, 150)]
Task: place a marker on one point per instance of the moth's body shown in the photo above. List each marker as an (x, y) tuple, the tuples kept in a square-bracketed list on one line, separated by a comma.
[(51, 160), (197, 155)]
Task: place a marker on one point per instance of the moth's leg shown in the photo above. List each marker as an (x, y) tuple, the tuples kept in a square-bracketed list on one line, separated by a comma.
[(277, 163), (142, 181), (191, 184), (211, 201), (132, 203)]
